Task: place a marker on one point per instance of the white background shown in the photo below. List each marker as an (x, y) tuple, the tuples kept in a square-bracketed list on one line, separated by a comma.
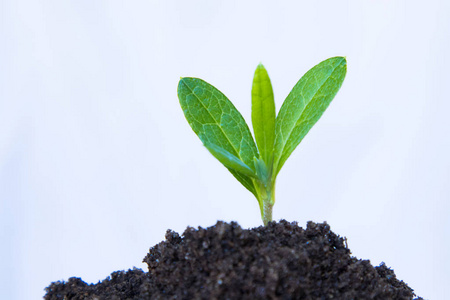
[(97, 159)]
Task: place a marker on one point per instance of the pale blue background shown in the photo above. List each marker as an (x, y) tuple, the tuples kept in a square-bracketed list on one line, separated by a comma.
[(97, 160)]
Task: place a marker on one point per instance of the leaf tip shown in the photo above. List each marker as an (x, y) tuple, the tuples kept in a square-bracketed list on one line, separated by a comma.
[(260, 66), (338, 59), (344, 63), (343, 59)]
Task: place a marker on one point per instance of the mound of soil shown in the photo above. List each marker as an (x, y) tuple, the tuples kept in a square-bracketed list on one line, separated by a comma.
[(279, 261)]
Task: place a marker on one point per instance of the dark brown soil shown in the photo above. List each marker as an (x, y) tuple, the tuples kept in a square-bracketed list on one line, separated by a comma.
[(280, 261)]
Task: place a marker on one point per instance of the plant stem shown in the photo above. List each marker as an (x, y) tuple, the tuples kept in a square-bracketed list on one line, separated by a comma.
[(267, 213), (267, 193)]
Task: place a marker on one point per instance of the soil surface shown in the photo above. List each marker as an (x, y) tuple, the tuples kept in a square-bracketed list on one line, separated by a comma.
[(279, 261)]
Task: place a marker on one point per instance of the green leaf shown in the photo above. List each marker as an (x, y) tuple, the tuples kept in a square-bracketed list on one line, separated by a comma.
[(263, 113), (229, 160), (262, 172), (305, 104), (246, 181), (216, 121)]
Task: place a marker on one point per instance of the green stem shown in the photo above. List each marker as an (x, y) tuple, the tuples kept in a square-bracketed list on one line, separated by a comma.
[(267, 213), (267, 193), (265, 189)]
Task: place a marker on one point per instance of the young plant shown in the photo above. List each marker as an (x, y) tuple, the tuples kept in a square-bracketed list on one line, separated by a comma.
[(223, 130)]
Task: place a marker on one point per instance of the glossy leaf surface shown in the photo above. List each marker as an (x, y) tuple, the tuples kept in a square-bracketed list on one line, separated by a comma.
[(305, 104), (263, 113), (229, 160), (217, 122)]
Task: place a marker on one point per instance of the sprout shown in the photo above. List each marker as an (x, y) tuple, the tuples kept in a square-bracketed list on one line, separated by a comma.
[(224, 132)]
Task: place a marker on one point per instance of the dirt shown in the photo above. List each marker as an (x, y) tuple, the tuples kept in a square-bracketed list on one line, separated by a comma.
[(279, 261)]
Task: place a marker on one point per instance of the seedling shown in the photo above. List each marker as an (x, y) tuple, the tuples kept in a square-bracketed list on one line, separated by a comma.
[(223, 130)]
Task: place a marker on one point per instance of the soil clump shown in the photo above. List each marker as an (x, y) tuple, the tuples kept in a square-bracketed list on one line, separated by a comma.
[(224, 261)]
